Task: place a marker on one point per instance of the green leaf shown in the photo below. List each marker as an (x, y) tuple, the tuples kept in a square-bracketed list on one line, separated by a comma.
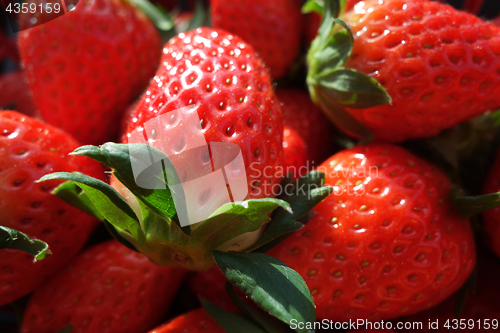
[(467, 206), (348, 87), (199, 17), (13, 239), (259, 317), (335, 53), (237, 218), (106, 200), (338, 115), (161, 21), (73, 195), (121, 157), (271, 284), (313, 6), (302, 195), (229, 322)]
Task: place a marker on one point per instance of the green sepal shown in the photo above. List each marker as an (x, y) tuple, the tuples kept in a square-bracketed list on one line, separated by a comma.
[(467, 206), (332, 86), (73, 195), (200, 18), (238, 218), (308, 192), (263, 319), (13, 239), (350, 88), (106, 200), (120, 158), (230, 322), (160, 19), (312, 6), (270, 283)]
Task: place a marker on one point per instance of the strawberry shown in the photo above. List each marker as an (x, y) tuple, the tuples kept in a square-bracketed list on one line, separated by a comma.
[(491, 219), (15, 94), (8, 48), (222, 75), (28, 150), (196, 321), (481, 305), (296, 156), (438, 65), (107, 288), (86, 66), (387, 242), (272, 27), (308, 135)]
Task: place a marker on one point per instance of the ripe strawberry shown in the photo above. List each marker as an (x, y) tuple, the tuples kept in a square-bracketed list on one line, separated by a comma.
[(273, 28), (439, 65), (481, 305), (296, 156), (222, 75), (15, 94), (196, 321), (108, 288), (28, 150), (491, 219), (308, 134), (387, 242), (86, 66)]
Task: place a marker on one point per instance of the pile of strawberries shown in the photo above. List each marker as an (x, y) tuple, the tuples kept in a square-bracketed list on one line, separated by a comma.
[(385, 111)]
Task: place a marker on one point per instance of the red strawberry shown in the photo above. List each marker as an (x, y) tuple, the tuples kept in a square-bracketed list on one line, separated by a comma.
[(196, 321), (15, 92), (481, 305), (28, 150), (491, 217), (439, 65), (272, 27), (234, 95), (211, 285), (108, 288), (309, 123), (296, 156), (387, 242), (86, 66)]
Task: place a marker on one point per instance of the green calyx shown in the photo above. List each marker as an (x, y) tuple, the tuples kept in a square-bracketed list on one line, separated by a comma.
[(332, 86), (13, 239), (147, 220)]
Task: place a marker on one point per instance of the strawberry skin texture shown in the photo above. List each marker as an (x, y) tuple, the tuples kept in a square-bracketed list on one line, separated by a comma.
[(301, 115), (272, 27), (107, 288), (491, 217), (296, 156), (480, 304), (196, 321), (234, 96), (85, 67), (30, 149), (440, 66), (386, 242)]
